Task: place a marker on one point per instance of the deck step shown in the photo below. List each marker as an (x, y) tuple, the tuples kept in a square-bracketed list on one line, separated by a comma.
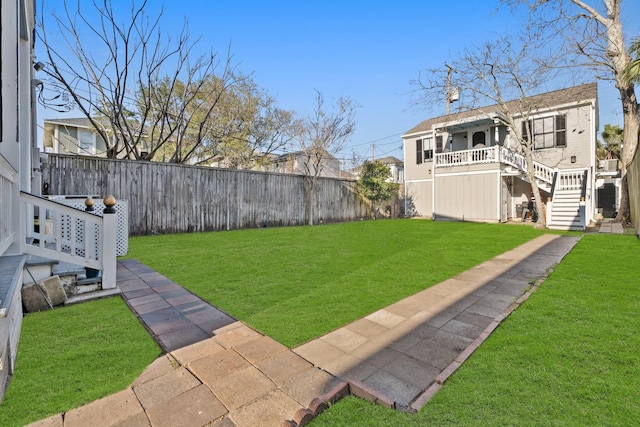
[(90, 296)]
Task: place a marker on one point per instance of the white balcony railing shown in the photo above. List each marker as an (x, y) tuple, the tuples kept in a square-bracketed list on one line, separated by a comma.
[(56, 231), (498, 154), (570, 179), (468, 157)]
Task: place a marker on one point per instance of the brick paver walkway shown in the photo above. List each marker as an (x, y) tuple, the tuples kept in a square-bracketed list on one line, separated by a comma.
[(234, 376)]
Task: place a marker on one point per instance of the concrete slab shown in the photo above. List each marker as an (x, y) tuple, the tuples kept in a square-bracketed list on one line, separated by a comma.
[(165, 387), (159, 367), (309, 384), (282, 366), (241, 387), (204, 348), (235, 334), (344, 339), (269, 410), (393, 387), (211, 368), (260, 349), (195, 408), (385, 318), (318, 352), (93, 414), (53, 421)]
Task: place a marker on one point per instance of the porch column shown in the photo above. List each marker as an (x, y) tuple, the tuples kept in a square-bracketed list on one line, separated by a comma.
[(109, 241)]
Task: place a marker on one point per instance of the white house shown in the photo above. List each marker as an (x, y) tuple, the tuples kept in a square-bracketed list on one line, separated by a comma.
[(468, 165), (19, 159), (298, 162), (78, 136), (74, 236)]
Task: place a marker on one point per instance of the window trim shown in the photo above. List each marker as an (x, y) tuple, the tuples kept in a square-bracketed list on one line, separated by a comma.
[(559, 132)]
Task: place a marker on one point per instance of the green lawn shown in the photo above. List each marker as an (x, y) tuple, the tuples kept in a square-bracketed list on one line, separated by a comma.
[(568, 357), (297, 283), (293, 284), (73, 355)]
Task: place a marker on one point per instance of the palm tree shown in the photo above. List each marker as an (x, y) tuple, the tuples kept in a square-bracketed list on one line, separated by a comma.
[(612, 136), (633, 69)]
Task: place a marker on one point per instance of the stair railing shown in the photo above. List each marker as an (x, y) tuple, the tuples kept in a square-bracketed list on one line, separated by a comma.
[(540, 171), (56, 231)]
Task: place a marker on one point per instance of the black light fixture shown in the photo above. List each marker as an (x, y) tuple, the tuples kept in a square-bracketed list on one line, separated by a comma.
[(573, 159)]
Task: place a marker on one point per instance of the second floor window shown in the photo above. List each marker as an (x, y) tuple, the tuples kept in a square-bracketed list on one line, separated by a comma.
[(547, 132), (424, 150)]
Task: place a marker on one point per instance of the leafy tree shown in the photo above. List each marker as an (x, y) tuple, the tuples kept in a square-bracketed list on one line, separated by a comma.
[(152, 97), (320, 137), (633, 69), (374, 183), (613, 136)]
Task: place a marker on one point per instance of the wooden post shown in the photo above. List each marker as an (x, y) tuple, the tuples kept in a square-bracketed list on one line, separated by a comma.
[(109, 241)]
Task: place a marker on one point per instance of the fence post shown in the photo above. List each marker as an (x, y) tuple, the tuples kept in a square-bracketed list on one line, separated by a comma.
[(109, 240)]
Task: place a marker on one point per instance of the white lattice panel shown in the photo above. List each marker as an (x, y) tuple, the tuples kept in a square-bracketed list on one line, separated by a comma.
[(122, 213)]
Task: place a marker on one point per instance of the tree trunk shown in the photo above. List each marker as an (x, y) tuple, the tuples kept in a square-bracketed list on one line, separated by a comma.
[(629, 147), (620, 60), (310, 184)]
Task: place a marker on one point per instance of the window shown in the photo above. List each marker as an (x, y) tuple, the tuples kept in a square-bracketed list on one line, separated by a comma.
[(87, 142), (424, 150), (547, 132)]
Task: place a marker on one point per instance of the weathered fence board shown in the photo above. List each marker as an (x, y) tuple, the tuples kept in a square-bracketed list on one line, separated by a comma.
[(169, 198)]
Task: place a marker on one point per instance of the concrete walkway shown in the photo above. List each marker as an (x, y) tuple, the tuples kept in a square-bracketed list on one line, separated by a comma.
[(398, 356), (607, 225)]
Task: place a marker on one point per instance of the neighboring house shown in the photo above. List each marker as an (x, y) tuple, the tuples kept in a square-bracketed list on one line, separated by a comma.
[(608, 187), (75, 136), (295, 163), (395, 165), (467, 166)]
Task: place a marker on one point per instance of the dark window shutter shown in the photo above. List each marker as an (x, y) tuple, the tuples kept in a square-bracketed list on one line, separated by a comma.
[(525, 135), (439, 144), (561, 131), (418, 151)]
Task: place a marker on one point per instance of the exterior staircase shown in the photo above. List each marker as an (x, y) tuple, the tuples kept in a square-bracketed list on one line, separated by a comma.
[(566, 212), (75, 284)]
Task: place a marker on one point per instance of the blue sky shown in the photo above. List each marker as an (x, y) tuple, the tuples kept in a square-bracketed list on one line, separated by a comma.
[(367, 51)]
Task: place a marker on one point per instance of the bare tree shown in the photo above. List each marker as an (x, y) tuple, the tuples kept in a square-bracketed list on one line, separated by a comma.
[(501, 76), (592, 38), (138, 89), (321, 136)]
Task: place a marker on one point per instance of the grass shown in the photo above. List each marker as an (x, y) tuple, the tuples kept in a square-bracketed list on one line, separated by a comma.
[(294, 284), (73, 355), (568, 357), (297, 283)]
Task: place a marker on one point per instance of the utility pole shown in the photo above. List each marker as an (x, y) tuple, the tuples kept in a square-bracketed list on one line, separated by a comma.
[(449, 69), (373, 147)]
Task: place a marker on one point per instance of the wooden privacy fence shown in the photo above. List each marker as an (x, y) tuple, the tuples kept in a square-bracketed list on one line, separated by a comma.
[(169, 198)]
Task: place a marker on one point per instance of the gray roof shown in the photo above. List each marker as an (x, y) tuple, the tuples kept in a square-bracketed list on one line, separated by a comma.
[(390, 160), (78, 121), (585, 92)]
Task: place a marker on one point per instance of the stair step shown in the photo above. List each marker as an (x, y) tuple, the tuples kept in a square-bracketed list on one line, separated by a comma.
[(89, 281), (565, 211), (68, 269), (90, 296)]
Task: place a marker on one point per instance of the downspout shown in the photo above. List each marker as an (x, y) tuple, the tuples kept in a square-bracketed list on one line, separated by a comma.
[(592, 154)]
